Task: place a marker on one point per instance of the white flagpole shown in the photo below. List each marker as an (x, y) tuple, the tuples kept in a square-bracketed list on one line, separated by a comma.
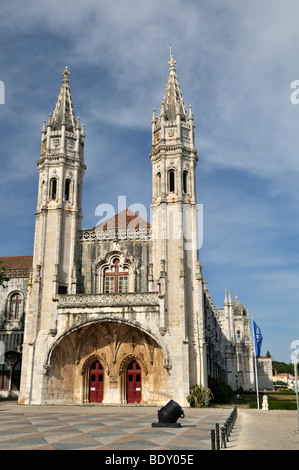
[(296, 384), (256, 381)]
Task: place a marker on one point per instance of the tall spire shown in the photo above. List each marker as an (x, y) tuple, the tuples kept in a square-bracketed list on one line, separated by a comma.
[(172, 103), (64, 113), (64, 133)]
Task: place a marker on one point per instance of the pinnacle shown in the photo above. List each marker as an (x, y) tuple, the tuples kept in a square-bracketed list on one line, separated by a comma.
[(173, 103), (66, 75), (64, 113)]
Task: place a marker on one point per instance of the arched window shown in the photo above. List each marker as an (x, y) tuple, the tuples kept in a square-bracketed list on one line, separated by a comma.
[(116, 278), (67, 188), (53, 188), (185, 181), (15, 306), (171, 175)]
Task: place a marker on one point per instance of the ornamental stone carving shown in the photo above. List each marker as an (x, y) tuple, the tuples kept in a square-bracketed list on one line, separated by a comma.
[(91, 300)]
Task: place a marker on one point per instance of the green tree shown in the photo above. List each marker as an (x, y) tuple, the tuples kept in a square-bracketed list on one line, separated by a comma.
[(283, 368), (3, 277)]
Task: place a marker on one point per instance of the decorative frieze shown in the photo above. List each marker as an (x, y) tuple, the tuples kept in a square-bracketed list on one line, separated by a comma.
[(103, 300), (120, 234), (18, 272)]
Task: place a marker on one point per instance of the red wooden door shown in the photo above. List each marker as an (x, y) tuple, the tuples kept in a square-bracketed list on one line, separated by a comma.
[(96, 383), (134, 383)]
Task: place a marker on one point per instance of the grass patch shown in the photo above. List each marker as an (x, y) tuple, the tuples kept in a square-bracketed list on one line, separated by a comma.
[(277, 405), (276, 400)]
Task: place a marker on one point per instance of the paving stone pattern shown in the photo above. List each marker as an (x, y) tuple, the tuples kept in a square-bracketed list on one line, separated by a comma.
[(129, 428), (102, 428)]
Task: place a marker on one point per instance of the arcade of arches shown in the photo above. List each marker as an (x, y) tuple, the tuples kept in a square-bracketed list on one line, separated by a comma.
[(107, 362)]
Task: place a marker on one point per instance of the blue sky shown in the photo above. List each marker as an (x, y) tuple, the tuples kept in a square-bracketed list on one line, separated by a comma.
[(235, 63)]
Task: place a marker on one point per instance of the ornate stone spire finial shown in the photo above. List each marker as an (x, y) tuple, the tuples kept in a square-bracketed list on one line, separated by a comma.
[(64, 114), (172, 63), (66, 75)]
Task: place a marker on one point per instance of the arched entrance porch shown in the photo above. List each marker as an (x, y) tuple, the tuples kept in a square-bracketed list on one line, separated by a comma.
[(120, 348)]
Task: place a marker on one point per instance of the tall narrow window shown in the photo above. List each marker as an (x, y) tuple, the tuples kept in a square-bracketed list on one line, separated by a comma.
[(185, 181), (53, 188), (159, 183), (171, 181), (16, 376), (123, 283), (67, 190), (116, 279), (15, 307)]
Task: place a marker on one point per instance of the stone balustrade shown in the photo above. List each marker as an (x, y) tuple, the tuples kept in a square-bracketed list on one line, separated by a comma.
[(105, 300), (120, 234)]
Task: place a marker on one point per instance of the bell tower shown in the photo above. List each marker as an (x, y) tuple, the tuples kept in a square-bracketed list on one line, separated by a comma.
[(58, 220), (59, 213), (174, 228), (173, 154)]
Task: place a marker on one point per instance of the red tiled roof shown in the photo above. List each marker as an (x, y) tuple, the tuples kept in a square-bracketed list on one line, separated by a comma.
[(124, 219), (17, 262)]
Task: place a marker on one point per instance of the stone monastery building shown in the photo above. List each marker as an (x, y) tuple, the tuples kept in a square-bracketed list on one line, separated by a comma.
[(119, 313)]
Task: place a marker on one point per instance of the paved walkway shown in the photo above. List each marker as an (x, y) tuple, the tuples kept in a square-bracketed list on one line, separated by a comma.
[(108, 428), (265, 430)]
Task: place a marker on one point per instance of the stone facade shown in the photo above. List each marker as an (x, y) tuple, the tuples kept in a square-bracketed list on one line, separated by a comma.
[(12, 318), (264, 373), (124, 303)]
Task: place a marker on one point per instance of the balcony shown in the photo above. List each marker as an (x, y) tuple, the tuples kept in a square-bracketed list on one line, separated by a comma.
[(108, 300)]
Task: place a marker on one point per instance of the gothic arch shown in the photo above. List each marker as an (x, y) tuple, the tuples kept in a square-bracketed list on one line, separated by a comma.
[(85, 373), (143, 331), (123, 372), (91, 359), (129, 358)]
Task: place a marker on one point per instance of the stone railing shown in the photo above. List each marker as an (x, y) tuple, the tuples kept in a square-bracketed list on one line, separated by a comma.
[(103, 300), (120, 234), (25, 272)]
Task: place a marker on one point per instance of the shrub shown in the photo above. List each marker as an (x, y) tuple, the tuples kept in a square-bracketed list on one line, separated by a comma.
[(198, 396)]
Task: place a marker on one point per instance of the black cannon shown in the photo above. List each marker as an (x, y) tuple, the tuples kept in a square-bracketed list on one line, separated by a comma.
[(169, 414)]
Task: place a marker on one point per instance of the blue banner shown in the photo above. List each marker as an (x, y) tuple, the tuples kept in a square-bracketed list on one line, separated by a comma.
[(258, 339)]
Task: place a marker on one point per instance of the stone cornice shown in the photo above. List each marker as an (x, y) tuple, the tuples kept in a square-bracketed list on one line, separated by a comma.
[(164, 148)]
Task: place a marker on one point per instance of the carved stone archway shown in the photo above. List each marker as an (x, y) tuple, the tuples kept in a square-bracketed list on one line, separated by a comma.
[(114, 343)]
